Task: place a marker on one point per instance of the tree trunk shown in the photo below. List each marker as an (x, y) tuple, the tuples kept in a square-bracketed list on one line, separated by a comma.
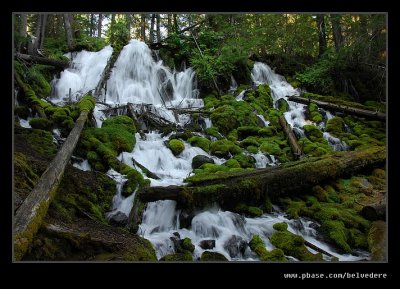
[(158, 28), (43, 31), (34, 43), (169, 28), (252, 188), (68, 30), (321, 34), (112, 28), (31, 213), (292, 139), (128, 24), (341, 108), (376, 211), (175, 18), (22, 31), (91, 25), (153, 16), (337, 31), (143, 27), (42, 60), (99, 24)]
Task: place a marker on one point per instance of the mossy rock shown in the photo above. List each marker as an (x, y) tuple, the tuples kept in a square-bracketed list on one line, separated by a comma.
[(42, 142), (293, 245), (245, 131), (267, 131), (250, 141), (200, 142), (178, 257), (41, 123), (337, 232), (280, 226), (188, 245), (22, 111), (213, 131), (282, 104), (223, 148), (248, 210), (335, 126), (257, 245), (208, 256), (252, 149), (271, 148), (245, 161), (312, 131), (199, 160), (176, 146)]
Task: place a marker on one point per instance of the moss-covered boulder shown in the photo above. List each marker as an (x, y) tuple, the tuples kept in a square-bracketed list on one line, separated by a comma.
[(199, 160), (280, 226), (176, 146), (245, 161), (312, 131), (187, 245), (208, 256), (248, 211), (224, 148), (200, 142), (178, 257), (335, 126), (41, 123), (282, 105), (257, 245), (22, 111), (314, 114), (245, 131)]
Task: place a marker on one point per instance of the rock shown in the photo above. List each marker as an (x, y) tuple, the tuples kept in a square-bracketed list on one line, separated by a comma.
[(119, 219), (185, 219), (235, 246), (199, 160), (177, 244), (314, 225), (207, 244), (212, 256), (176, 234)]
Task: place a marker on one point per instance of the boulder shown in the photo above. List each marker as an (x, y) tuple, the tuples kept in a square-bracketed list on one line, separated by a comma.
[(235, 246), (199, 160), (119, 219), (207, 244), (212, 256)]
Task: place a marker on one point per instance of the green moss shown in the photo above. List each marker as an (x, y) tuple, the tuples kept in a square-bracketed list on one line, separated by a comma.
[(208, 256), (257, 245), (273, 117), (24, 176), (176, 146), (200, 142), (223, 148), (337, 232), (267, 131), (213, 131), (38, 82), (178, 257), (250, 141), (225, 119), (336, 100), (271, 148), (187, 245), (293, 245), (42, 142), (232, 163), (245, 131), (245, 161), (315, 116), (252, 149), (312, 131), (211, 101), (249, 211), (280, 226), (314, 149), (41, 123), (283, 106), (87, 103), (22, 111), (376, 241), (335, 126)]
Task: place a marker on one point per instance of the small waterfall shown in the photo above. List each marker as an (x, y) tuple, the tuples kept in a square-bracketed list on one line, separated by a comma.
[(25, 122), (83, 165), (263, 160), (266, 122), (83, 77), (335, 143), (233, 86)]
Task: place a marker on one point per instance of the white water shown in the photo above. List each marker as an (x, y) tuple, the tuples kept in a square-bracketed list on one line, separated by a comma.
[(266, 122), (84, 75), (153, 154), (83, 166), (161, 220), (25, 122), (138, 79)]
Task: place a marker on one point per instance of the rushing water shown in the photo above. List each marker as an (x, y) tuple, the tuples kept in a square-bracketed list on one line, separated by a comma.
[(138, 79)]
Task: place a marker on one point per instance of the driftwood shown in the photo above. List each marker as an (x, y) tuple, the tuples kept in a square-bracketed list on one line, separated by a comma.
[(292, 139), (316, 248), (105, 75), (376, 211), (30, 214), (341, 108), (43, 60), (254, 187)]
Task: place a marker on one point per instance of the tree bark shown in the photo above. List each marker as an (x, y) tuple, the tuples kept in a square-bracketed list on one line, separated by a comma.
[(99, 25), (91, 28), (43, 60), (68, 31), (292, 139), (321, 34), (43, 30), (143, 27), (376, 211), (254, 187), (34, 43), (337, 31), (31, 213), (153, 16), (341, 108), (158, 28), (128, 24), (112, 28), (22, 31), (175, 18), (169, 28)]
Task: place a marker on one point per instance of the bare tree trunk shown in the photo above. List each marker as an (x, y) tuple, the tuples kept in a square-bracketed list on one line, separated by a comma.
[(169, 24), (321, 34), (34, 44), (99, 24), (111, 27), (68, 30), (158, 28), (22, 30), (153, 16), (337, 31), (143, 27), (176, 28), (128, 24), (43, 30), (91, 25)]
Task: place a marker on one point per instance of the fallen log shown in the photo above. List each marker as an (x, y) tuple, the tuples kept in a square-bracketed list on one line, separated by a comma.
[(254, 187), (105, 75), (30, 214), (292, 139), (376, 211), (316, 248), (145, 170), (341, 108), (43, 60)]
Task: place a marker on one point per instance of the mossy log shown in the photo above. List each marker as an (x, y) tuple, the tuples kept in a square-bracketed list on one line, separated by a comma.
[(253, 187), (292, 139), (105, 75), (43, 60), (341, 108), (30, 214), (376, 211)]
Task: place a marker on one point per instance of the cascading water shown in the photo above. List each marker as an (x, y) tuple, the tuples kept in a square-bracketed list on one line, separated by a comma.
[(138, 79)]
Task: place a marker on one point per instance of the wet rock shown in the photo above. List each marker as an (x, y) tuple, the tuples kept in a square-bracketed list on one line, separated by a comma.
[(119, 219), (212, 256), (314, 226), (185, 219), (199, 160), (235, 246), (207, 244), (176, 234)]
